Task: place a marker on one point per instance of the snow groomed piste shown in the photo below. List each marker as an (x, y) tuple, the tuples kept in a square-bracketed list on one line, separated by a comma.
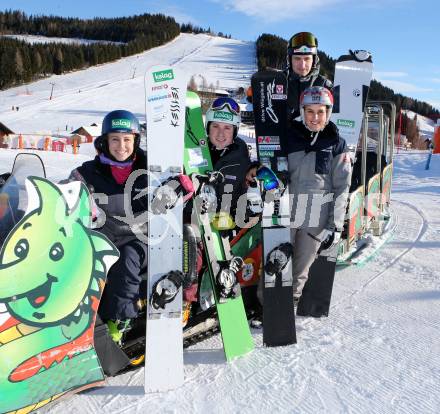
[(56, 355)]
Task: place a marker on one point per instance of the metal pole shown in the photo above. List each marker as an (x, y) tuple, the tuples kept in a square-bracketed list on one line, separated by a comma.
[(51, 91)]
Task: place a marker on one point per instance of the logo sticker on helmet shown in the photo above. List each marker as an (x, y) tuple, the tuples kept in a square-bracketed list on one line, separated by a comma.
[(121, 123), (223, 116), (163, 75)]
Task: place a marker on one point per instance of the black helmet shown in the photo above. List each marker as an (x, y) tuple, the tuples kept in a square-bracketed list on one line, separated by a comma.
[(302, 44)]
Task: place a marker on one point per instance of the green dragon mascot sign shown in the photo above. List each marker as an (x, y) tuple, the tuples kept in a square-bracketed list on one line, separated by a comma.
[(52, 271)]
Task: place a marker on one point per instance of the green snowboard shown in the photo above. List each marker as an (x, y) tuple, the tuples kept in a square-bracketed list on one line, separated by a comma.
[(237, 339)]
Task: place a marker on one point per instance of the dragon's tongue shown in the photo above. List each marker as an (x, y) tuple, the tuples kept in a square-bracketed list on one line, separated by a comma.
[(40, 299)]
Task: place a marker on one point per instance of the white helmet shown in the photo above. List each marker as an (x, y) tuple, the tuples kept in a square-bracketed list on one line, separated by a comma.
[(316, 95), (224, 110)]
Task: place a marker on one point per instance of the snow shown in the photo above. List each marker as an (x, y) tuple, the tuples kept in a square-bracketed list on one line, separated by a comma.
[(32, 39), (84, 97), (378, 351), (426, 125)]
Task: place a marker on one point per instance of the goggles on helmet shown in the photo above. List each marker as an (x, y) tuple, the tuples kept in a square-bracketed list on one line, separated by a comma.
[(303, 43), (220, 103), (303, 38)]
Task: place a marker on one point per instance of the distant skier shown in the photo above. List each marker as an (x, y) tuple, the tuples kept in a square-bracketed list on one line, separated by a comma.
[(320, 175), (118, 156), (302, 69)]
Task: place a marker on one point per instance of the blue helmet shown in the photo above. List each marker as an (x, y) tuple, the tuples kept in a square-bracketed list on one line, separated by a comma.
[(118, 121)]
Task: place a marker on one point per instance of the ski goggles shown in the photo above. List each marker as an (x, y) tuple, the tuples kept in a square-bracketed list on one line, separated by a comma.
[(268, 178), (220, 103), (303, 43)]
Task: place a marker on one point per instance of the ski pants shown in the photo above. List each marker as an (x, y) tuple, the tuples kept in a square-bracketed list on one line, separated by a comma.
[(121, 293), (305, 248)]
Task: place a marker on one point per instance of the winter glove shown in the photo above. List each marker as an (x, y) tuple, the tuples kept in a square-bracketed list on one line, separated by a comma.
[(254, 201), (329, 239)]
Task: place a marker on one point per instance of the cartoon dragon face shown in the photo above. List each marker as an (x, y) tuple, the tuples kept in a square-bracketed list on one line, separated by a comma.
[(42, 265)]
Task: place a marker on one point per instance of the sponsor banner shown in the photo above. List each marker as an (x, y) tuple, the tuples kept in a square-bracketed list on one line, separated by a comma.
[(266, 154), (196, 158), (265, 147), (163, 75), (158, 97), (347, 123), (275, 139), (159, 87), (279, 97)]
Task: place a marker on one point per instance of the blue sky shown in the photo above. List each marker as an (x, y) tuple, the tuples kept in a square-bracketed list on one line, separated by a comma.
[(403, 35)]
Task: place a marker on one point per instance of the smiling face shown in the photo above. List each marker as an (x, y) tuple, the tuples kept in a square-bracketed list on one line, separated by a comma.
[(221, 134), (45, 264), (315, 117), (120, 145)]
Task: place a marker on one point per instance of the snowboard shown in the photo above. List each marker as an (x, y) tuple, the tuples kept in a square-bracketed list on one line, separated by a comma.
[(351, 84), (270, 113), (234, 328), (53, 268), (353, 74), (165, 89)]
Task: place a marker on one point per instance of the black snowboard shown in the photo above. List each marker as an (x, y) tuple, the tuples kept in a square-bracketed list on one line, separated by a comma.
[(270, 113)]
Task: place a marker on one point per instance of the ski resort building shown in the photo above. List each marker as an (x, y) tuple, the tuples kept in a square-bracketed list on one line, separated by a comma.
[(4, 133), (89, 132)]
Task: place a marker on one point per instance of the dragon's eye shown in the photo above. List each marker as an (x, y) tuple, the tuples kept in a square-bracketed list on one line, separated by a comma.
[(21, 249), (56, 252)]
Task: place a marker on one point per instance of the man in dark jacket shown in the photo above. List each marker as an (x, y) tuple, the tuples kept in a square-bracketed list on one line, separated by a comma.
[(302, 69)]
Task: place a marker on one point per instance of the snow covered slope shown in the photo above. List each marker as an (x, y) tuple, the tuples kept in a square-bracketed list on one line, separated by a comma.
[(425, 125), (83, 97), (378, 351)]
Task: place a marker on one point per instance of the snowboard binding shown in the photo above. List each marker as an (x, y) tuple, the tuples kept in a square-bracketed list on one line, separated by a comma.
[(207, 193), (277, 259), (227, 283), (166, 196), (166, 289)]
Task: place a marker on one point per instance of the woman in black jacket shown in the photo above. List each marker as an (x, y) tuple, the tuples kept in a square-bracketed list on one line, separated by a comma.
[(229, 154), (107, 177)]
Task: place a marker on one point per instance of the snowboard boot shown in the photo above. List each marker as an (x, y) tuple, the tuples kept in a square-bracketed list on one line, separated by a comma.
[(257, 322), (117, 329)]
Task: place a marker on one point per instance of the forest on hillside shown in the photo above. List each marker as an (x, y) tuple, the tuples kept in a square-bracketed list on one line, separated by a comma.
[(22, 62)]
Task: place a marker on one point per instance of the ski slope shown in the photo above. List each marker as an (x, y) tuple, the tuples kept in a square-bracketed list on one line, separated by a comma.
[(378, 351), (83, 97)]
